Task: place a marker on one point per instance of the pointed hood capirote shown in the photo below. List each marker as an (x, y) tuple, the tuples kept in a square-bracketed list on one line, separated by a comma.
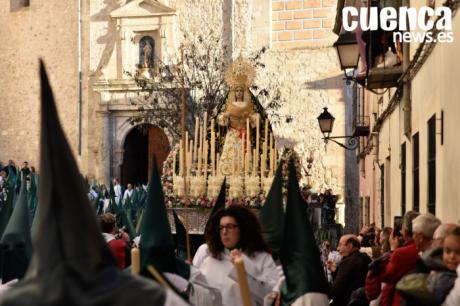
[(16, 244), (272, 214), (299, 255), (71, 263), (61, 231), (181, 237), (157, 243), (220, 203)]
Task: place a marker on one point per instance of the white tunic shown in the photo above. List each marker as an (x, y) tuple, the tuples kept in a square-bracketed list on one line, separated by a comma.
[(261, 270)]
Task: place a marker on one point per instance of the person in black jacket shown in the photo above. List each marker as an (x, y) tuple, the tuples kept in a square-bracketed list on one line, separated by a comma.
[(351, 272)]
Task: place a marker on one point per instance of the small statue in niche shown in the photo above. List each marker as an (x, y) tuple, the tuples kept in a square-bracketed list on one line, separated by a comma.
[(147, 55)]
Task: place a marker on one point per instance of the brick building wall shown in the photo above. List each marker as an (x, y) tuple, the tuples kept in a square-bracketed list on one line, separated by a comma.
[(300, 24)]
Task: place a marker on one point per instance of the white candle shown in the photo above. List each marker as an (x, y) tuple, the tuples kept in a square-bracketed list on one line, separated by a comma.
[(186, 152), (257, 142), (246, 164), (243, 157), (271, 155), (135, 261), (218, 165), (266, 130), (213, 149), (180, 158), (233, 166), (248, 142), (264, 150), (254, 163), (238, 161), (189, 162), (263, 165), (196, 138), (191, 155), (205, 164), (174, 164), (198, 170), (205, 121), (243, 281)]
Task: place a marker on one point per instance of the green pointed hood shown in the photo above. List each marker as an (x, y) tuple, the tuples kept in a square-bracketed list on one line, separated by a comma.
[(220, 203), (300, 255), (181, 237), (32, 200), (127, 222), (271, 215), (157, 243), (8, 203), (16, 243)]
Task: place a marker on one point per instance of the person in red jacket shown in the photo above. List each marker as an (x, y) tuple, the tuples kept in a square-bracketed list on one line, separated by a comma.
[(117, 243), (402, 261)]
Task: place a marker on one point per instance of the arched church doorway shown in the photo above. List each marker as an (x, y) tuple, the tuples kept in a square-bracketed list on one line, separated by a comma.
[(139, 146)]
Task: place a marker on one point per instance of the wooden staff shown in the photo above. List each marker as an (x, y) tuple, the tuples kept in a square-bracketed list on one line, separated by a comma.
[(157, 275), (243, 282)]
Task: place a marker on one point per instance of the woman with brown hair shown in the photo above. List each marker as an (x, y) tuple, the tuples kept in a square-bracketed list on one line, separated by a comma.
[(234, 232)]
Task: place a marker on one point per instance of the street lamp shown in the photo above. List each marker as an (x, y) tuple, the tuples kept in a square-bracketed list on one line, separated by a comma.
[(326, 122), (347, 51)]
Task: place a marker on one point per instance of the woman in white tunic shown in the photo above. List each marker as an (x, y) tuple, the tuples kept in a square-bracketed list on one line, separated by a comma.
[(233, 232)]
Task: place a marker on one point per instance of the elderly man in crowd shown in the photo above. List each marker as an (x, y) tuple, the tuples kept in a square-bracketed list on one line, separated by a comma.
[(440, 234), (423, 228), (351, 272)]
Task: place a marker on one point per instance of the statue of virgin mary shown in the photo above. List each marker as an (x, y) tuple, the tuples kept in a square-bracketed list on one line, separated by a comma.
[(239, 107)]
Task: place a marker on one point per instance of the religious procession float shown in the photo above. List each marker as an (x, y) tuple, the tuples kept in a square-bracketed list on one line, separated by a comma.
[(234, 143)]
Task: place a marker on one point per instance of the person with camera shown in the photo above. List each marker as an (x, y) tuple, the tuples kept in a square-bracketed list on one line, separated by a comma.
[(118, 241)]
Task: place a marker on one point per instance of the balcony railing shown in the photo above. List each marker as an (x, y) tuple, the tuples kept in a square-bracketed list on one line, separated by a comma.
[(361, 126)]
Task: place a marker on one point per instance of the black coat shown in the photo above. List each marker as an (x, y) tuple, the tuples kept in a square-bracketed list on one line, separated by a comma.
[(350, 275)]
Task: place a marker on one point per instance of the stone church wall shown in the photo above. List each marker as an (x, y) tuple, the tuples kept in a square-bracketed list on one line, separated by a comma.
[(46, 30)]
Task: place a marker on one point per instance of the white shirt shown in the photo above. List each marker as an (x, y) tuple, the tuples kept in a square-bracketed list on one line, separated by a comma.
[(261, 270), (118, 195), (128, 193)]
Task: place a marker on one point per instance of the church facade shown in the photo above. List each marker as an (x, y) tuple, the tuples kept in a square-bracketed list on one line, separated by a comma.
[(92, 49)]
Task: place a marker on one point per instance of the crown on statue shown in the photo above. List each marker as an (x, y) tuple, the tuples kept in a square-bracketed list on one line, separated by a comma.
[(239, 73)]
